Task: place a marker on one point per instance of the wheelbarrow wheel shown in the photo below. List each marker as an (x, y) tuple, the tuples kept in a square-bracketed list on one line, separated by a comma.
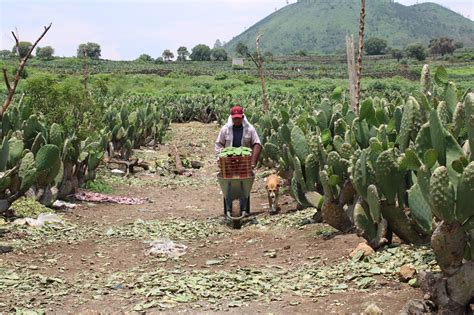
[(235, 212), (236, 224)]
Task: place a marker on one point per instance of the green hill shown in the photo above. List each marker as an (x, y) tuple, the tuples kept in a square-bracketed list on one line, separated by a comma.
[(320, 26)]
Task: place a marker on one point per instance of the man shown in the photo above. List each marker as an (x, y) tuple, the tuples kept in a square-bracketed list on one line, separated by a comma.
[(239, 132)]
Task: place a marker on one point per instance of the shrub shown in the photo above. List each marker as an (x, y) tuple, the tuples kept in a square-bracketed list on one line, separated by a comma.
[(220, 76), (98, 186), (246, 79), (375, 46), (416, 51), (377, 85)]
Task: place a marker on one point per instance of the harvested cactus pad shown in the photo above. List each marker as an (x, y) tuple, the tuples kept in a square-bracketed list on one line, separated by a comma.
[(232, 151), (29, 208)]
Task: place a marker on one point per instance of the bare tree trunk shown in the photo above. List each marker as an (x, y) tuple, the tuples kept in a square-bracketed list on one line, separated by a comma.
[(351, 71), (259, 64), (85, 71), (12, 88), (262, 76), (359, 57)]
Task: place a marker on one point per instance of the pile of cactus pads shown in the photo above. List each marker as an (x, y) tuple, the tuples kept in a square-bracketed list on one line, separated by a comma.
[(233, 151)]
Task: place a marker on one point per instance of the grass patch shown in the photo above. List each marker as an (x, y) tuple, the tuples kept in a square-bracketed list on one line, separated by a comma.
[(99, 186)]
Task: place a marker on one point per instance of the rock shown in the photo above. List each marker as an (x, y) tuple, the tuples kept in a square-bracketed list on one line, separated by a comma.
[(117, 172), (196, 164), (418, 307), (270, 253), (366, 249), (406, 273), (5, 249), (372, 309)]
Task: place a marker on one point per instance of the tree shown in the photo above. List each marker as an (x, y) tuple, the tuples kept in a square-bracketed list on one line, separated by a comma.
[(23, 48), (217, 44), (167, 55), (301, 53), (442, 46), (183, 53), (5, 54), (145, 58), (396, 53), (375, 46), (159, 60), (92, 50), (242, 49), (201, 52), (218, 54), (45, 53), (416, 51), (459, 45)]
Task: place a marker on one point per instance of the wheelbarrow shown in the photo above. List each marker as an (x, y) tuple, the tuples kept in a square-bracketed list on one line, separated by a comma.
[(235, 190)]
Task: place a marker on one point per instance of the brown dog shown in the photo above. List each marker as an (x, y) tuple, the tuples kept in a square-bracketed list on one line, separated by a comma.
[(273, 189)]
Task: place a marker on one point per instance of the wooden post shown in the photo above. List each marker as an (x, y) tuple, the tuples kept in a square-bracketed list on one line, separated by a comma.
[(85, 71), (351, 71)]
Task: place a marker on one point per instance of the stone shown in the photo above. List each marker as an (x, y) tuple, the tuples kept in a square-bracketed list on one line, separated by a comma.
[(372, 309), (366, 249), (406, 273)]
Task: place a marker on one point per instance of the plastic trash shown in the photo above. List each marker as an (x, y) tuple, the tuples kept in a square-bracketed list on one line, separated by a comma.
[(63, 204)]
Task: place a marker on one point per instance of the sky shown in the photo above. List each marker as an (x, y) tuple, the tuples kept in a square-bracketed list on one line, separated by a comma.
[(125, 29)]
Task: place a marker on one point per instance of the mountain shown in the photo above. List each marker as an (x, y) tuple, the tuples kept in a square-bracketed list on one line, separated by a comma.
[(321, 26)]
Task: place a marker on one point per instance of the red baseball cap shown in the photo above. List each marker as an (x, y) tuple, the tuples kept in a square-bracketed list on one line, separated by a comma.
[(237, 112)]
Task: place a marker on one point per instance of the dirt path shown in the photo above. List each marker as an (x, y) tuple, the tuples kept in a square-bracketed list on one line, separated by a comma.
[(274, 264)]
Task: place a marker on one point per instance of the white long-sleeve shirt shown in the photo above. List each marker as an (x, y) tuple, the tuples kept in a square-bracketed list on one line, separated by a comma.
[(225, 137)]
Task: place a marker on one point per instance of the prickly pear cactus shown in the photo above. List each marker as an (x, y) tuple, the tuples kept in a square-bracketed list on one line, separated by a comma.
[(442, 194), (443, 113), (368, 220), (332, 211), (425, 81), (388, 174), (272, 151), (410, 123), (299, 143), (469, 108), (465, 190), (459, 118)]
